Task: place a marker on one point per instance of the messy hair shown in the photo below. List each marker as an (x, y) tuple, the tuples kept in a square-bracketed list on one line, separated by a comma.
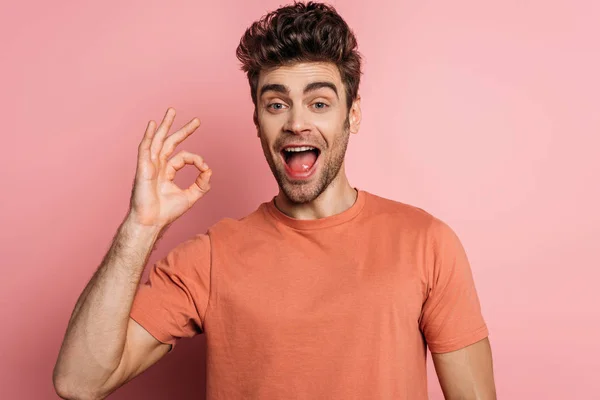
[(302, 32)]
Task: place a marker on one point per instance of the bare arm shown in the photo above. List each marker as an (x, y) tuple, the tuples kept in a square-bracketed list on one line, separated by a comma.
[(467, 374), (103, 347), (94, 344)]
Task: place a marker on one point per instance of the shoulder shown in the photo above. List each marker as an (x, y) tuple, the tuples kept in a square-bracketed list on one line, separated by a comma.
[(193, 248), (406, 217), (232, 228)]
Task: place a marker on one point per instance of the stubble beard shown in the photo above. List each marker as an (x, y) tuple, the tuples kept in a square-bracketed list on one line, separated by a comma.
[(299, 191)]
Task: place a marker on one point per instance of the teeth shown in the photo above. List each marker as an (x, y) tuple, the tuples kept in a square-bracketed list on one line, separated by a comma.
[(297, 149)]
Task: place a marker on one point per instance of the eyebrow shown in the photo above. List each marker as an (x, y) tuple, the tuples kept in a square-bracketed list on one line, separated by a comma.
[(279, 88)]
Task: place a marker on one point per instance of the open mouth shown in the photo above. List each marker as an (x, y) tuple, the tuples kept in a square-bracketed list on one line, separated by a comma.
[(300, 160)]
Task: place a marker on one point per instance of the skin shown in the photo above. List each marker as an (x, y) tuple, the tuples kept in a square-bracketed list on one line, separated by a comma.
[(467, 373), (104, 348), (319, 118)]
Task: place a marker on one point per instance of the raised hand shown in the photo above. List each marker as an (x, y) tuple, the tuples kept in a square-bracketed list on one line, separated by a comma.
[(155, 199)]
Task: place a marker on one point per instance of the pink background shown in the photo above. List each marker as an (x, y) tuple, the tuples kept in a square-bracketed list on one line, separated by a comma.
[(486, 115)]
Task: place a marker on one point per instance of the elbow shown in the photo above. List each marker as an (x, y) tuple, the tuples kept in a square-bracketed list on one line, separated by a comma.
[(70, 390), (65, 392)]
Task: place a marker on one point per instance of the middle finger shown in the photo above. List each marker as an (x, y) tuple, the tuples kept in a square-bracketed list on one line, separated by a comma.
[(161, 132)]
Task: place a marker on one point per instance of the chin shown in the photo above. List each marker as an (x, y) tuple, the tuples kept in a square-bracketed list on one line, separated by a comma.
[(305, 191), (301, 193)]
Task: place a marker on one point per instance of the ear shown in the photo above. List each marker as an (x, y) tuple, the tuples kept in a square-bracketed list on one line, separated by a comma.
[(355, 115)]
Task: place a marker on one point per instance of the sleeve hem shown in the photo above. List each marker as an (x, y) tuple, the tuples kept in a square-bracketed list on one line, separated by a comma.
[(152, 326), (459, 343)]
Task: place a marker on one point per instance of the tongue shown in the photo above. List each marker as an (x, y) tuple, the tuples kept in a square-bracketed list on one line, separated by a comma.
[(302, 161)]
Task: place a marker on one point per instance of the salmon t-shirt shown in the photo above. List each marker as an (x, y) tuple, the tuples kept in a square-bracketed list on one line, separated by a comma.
[(341, 307)]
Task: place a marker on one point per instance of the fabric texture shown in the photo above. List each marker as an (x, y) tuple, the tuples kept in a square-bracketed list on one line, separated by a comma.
[(341, 307)]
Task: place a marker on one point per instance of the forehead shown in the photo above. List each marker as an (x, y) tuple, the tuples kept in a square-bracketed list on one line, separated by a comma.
[(296, 76)]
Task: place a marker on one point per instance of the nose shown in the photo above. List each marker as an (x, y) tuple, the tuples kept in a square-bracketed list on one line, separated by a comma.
[(297, 122)]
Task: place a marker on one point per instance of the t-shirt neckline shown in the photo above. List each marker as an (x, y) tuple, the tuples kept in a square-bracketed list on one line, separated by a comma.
[(319, 223)]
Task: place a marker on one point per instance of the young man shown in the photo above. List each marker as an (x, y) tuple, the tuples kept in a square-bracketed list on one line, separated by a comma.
[(324, 292)]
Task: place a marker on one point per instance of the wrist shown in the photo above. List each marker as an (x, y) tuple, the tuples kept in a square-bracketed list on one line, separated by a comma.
[(135, 227)]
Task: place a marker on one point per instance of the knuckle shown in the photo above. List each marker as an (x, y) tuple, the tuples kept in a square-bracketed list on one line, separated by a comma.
[(168, 149)]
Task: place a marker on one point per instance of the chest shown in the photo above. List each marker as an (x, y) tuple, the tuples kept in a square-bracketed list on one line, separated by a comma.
[(308, 281)]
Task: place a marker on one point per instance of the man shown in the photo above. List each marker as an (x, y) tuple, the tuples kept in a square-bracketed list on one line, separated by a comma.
[(324, 292)]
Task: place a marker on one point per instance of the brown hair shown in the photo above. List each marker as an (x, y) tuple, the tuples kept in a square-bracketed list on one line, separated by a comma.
[(301, 33)]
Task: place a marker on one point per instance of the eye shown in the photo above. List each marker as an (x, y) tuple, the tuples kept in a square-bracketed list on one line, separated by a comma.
[(320, 105), (276, 106)]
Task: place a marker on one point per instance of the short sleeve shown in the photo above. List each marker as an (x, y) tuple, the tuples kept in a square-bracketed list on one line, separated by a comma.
[(172, 303), (451, 316)]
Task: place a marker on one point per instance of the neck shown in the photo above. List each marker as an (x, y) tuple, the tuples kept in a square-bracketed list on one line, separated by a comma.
[(336, 198)]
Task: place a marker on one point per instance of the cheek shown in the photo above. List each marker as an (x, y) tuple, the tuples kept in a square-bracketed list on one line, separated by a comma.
[(266, 126), (268, 135), (331, 126), (270, 122)]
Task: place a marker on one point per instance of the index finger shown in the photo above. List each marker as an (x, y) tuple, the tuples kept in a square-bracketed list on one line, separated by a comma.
[(173, 140)]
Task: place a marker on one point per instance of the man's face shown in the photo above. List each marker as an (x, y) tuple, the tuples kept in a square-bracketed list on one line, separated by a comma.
[(304, 125)]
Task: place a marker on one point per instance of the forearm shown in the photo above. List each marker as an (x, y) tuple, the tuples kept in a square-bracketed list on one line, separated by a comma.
[(93, 345)]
